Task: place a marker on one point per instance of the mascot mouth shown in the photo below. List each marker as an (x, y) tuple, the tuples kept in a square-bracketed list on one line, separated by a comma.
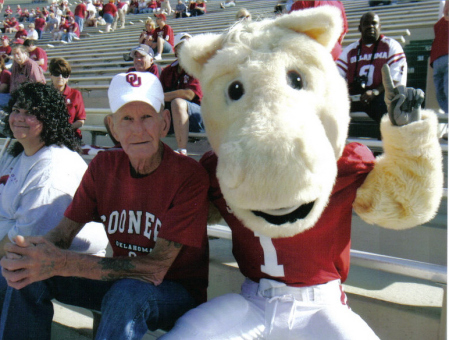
[(278, 217)]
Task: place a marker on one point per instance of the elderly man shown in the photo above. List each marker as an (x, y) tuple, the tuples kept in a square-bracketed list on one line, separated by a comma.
[(361, 62), (143, 60), (153, 205)]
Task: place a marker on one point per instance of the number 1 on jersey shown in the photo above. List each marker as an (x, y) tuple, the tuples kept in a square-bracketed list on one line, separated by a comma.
[(271, 266)]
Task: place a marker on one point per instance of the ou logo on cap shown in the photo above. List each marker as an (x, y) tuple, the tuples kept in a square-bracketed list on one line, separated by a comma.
[(134, 79)]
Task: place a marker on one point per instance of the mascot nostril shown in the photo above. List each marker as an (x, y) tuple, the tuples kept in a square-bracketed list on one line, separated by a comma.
[(292, 217)]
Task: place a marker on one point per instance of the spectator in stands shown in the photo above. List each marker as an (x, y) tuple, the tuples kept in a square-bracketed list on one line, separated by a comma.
[(122, 9), (165, 7), (180, 10), (109, 13), (160, 263), (243, 14), (192, 5), (200, 8), (182, 95), (227, 3), (299, 5), (32, 33), (5, 82), (361, 62), (81, 14), (73, 31), (21, 32), (91, 20), (36, 53), (60, 71), (146, 37), (62, 29), (8, 11), (24, 16), (18, 11), (24, 69), (2, 2), (39, 25), (41, 171), (152, 5), (52, 23), (439, 58), (163, 38), (11, 25), (5, 49), (133, 6), (143, 60)]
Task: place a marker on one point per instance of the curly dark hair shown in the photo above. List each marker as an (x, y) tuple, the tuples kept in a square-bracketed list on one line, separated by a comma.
[(48, 105)]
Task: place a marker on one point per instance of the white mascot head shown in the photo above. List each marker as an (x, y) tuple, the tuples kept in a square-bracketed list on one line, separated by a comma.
[(276, 113)]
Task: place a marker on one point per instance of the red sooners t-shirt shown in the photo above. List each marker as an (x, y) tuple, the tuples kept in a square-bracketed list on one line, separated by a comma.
[(316, 256), (170, 203), (37, 54)]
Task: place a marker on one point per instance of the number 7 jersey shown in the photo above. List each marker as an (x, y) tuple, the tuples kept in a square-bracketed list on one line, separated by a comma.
[(315, 256)]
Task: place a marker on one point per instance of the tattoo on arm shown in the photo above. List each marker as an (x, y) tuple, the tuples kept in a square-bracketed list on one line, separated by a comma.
[(114, 268)]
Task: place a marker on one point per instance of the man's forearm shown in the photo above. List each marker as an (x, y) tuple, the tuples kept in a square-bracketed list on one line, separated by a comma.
[(183, 94), (151, 268)]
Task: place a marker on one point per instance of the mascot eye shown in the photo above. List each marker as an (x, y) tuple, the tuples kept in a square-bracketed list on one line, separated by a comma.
[(236, 90), (294, 80)]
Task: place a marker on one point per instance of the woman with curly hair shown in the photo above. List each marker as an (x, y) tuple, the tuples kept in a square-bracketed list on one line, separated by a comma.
[(60, 71), (41, 171)]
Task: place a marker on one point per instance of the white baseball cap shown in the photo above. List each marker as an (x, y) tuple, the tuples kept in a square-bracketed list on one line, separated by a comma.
[(135, 86), (180, 37)]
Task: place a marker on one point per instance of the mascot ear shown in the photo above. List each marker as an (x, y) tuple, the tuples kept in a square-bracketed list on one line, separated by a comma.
[(196, 51), (323, 24)]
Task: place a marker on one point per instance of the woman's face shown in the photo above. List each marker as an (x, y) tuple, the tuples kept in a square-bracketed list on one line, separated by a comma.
[(19, 56), (59, 80), (25, 127)]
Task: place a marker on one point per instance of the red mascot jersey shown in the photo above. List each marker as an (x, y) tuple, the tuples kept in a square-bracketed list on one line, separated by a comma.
[(316, 256)]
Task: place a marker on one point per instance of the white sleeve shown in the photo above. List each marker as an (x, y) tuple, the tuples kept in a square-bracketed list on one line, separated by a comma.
[(40, 210), (342, 63), (397, 62)]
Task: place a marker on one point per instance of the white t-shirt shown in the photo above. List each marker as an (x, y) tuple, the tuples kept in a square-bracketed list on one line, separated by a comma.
[(35, 191), (33, 35)]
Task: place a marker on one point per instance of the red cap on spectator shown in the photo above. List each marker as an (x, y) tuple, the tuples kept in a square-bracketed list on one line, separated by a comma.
[(5, 37), (162, 16)]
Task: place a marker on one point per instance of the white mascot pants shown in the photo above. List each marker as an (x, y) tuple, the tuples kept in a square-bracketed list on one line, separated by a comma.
[(272, 310)]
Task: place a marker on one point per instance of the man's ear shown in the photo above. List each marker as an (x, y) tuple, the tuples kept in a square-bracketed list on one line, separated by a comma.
[(110, 121), (166, 121)]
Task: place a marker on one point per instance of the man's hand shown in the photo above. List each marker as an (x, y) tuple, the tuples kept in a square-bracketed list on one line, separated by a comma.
[(29, 260), (403, 103)]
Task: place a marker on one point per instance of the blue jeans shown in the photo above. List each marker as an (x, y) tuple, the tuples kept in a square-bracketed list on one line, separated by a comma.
[(129, 307), (440, 80), (68, 36), (4, 99), (80, 22)]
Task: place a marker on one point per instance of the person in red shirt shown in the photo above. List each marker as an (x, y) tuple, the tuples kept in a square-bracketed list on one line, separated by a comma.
[(163, 38), (200, 8), (36, 53), (146, 37), (39, 25), (5, 49), (21, 33), (80, 15), (109, 13), (5, 81), (73, 32), (182, 94), (298, 5), (60, 71), (439, 59), (11, 25)]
